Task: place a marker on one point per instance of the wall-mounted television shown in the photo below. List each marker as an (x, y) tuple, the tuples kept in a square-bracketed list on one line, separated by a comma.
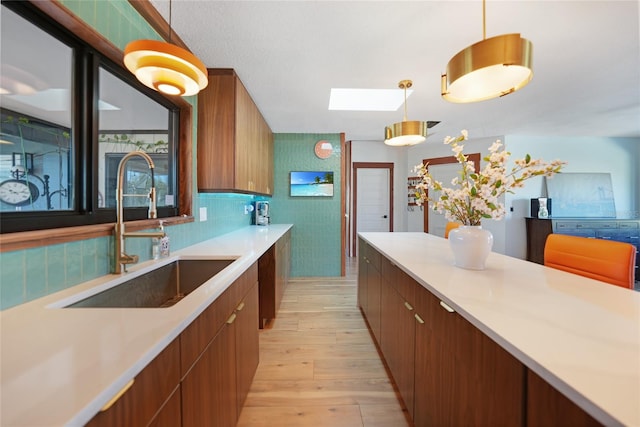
[(311, 184)]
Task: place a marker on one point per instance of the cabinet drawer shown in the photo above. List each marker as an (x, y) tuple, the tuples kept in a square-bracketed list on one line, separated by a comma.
[(150, 390), (195, 338), (389, 272)]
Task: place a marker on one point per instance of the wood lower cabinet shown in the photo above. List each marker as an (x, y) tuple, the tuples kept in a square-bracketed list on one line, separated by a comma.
[(235, 144), (274, 267), (398, 330), (447, 372), (209, 388), (203, 377), (546, 406), (215, 386), (247, 344), (153, 390), (371, 282)]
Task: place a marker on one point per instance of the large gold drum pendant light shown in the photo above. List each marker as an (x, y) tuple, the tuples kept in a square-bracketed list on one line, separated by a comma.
[(165, 67), (493, 67), (405, 132)]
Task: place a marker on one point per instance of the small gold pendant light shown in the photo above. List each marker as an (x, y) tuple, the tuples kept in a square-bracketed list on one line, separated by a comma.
[(406, 132), (165, 67), (488, 69)]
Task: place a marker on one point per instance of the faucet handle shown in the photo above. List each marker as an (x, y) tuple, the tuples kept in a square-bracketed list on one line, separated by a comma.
[(153, 213), (128, 259)]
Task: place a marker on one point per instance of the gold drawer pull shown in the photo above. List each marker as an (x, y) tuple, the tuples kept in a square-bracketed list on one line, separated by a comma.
[(446, 307), (240, 306), (117, 396), (231, 319), (418, 318), (406, 304)]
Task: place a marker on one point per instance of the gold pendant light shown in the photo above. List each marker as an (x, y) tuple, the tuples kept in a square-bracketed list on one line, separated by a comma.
[(488, 69), (406, 132), (165, 67)]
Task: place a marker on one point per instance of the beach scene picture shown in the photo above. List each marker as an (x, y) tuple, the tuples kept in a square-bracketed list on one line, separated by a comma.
[(312, 183)]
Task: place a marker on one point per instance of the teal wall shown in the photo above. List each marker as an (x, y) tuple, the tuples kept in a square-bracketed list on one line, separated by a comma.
[(315, 238), (29, 274)]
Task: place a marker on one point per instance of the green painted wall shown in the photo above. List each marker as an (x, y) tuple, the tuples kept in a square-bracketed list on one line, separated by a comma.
[(315, 238)]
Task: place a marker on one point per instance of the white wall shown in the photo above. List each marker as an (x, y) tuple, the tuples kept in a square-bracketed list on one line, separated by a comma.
[(377, 151), (618, 156)]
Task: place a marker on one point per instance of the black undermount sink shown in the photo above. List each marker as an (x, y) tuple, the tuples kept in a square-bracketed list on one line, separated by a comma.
[(160, 288)]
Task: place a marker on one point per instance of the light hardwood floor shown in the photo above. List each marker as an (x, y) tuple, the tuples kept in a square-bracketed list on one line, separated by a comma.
[(318, 364)]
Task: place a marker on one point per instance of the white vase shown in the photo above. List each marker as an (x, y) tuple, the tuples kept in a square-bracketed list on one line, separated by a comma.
[(471, 246)]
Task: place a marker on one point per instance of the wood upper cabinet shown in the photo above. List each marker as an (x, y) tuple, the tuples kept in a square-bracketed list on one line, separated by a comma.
[(235, 144)]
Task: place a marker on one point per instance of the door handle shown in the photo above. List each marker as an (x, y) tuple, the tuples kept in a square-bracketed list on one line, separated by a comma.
[(384, 216)]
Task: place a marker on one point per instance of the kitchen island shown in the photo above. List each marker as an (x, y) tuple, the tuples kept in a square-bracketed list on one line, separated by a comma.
[(580, 336), (60, 366)]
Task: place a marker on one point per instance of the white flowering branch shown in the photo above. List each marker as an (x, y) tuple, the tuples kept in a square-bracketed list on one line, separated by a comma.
[(475, 195)]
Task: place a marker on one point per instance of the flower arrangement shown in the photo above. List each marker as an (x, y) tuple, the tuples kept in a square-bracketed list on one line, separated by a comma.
[(475, 194)]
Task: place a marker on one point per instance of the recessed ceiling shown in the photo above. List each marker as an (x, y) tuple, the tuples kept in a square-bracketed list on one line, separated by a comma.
[(289, 54)]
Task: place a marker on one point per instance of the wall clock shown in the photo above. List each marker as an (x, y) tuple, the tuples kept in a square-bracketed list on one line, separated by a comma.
[(323, 149), (18, 192)]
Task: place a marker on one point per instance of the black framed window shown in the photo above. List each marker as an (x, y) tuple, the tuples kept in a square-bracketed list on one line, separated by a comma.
[(67, 115)]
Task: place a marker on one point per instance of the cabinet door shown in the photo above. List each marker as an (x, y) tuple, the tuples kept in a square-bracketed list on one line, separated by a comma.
[(209, 389), (170, 414), (546, 406), (398, 338), (245, 139), (216, 132), (374, 289), (150, 390), (435, 380), (462, 376), (362, 275), (247, 348)]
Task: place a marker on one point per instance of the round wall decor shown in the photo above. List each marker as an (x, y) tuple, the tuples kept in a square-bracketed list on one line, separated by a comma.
[(323, 149)]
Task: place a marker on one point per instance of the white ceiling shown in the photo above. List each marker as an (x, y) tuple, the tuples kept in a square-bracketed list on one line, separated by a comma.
[(289, 54)]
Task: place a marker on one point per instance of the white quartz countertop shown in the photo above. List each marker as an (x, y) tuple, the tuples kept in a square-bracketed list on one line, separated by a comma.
[(60, 366), (581, 335)]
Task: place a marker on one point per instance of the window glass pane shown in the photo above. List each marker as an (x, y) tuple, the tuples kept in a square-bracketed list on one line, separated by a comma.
[(131, 121), (36, 150)]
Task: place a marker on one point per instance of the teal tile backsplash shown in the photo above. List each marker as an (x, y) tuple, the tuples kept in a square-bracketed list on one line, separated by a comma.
[(29, 274)]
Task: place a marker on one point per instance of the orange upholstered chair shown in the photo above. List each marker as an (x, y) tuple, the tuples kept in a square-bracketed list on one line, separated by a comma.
[(450, 226), (605, 260)]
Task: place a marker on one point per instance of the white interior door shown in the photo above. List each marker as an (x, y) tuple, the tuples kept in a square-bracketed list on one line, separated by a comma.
[(372, 207), (443, 173)]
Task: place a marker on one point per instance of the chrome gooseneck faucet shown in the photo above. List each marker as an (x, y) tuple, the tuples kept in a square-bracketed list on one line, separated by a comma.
[(121, 259)]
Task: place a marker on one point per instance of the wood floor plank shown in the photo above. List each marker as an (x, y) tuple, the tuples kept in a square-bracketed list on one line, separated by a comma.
[(307, 416), (319, 366), (322, 392)]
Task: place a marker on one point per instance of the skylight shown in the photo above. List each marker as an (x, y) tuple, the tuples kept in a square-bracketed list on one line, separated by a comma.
[(366, 99)]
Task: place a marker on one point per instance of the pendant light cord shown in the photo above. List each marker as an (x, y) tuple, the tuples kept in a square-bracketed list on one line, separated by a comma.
[(405, 103), (170, 30), (484, 20)]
